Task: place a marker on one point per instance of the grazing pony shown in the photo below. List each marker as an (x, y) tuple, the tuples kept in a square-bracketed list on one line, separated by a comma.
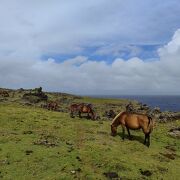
[(82, 108), (52, 106), (133, 121)]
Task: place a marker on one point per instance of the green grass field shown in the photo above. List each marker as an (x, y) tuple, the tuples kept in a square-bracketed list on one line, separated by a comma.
[(39, 144)]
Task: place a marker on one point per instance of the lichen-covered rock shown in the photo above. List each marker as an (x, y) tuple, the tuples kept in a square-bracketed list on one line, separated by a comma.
[(36, 96), (175, 132)]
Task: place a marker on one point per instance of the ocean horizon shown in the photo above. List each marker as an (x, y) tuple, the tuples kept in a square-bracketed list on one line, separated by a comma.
[(164, 102)]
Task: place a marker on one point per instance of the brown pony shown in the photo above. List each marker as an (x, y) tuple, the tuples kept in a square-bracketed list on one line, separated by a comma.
[(82, 108), (52, 106), (133, 121)]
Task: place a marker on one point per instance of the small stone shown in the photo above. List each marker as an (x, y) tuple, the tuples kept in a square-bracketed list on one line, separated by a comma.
[(73, 172)]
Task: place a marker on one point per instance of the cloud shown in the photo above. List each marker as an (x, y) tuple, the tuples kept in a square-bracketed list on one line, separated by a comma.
[(31, 30), (84, 76), (67, 26)]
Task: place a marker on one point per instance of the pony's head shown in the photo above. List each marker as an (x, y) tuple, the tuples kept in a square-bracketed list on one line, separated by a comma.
[(113, 130)]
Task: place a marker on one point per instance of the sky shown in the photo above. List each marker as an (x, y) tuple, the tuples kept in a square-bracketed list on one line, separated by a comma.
[(92, 47)]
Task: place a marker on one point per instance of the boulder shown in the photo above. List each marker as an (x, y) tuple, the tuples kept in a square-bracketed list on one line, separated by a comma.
[(174, 132), (36, 96)]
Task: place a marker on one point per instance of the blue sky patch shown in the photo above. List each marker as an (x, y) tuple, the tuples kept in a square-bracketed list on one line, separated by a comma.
[(103, 53)]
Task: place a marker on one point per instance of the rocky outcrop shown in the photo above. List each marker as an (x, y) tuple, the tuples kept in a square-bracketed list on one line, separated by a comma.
[(155, 112), (4, 94), (109, 114), (168, 116), (35, 96), (174, 132)]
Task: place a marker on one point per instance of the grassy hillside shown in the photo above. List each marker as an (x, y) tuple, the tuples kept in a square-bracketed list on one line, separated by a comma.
[(64, 101), (39, 144)]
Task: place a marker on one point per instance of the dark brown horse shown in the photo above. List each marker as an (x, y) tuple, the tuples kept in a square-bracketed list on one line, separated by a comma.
[(133, 121), (82, 108), (52, 106)]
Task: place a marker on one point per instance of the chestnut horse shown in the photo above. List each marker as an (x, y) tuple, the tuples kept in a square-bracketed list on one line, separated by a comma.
[(52, 106), (82, 108), (133, 121)]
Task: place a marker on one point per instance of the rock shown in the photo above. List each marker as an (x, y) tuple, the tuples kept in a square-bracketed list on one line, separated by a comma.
[(111, 175), (97, 117), (70, 149), (156, 110), (144, 107), (69, 143), (35, 96), (78, 170), (175, 132), (20, 90), (168, 116), (78, 158), (28, 152), (27, 132), (129, 107), (169, 155), (146, 172), (110, 114), (170, 148), (4, 93), (27, 104), (47, 141)]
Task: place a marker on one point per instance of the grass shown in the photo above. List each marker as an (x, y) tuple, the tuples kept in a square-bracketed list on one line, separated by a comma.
[(40, 144)]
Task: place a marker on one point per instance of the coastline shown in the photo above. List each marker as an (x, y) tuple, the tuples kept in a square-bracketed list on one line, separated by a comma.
[(164, 102)]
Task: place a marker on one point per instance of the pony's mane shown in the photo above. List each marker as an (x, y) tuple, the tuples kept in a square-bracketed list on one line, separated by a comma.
[(117, 117)]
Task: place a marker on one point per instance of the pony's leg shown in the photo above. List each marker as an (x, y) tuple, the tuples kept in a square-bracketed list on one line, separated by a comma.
[(93, 116), (88, 116), (145, 139), (130, 137), (123, 132), (71, 114), (79, 114), (148, 137)]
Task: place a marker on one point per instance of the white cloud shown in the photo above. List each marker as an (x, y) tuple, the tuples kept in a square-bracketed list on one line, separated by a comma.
[(32, 29), (60, 26), (80, 75)]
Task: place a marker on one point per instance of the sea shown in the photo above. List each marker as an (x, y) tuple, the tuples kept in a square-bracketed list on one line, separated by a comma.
[(164, 102)]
